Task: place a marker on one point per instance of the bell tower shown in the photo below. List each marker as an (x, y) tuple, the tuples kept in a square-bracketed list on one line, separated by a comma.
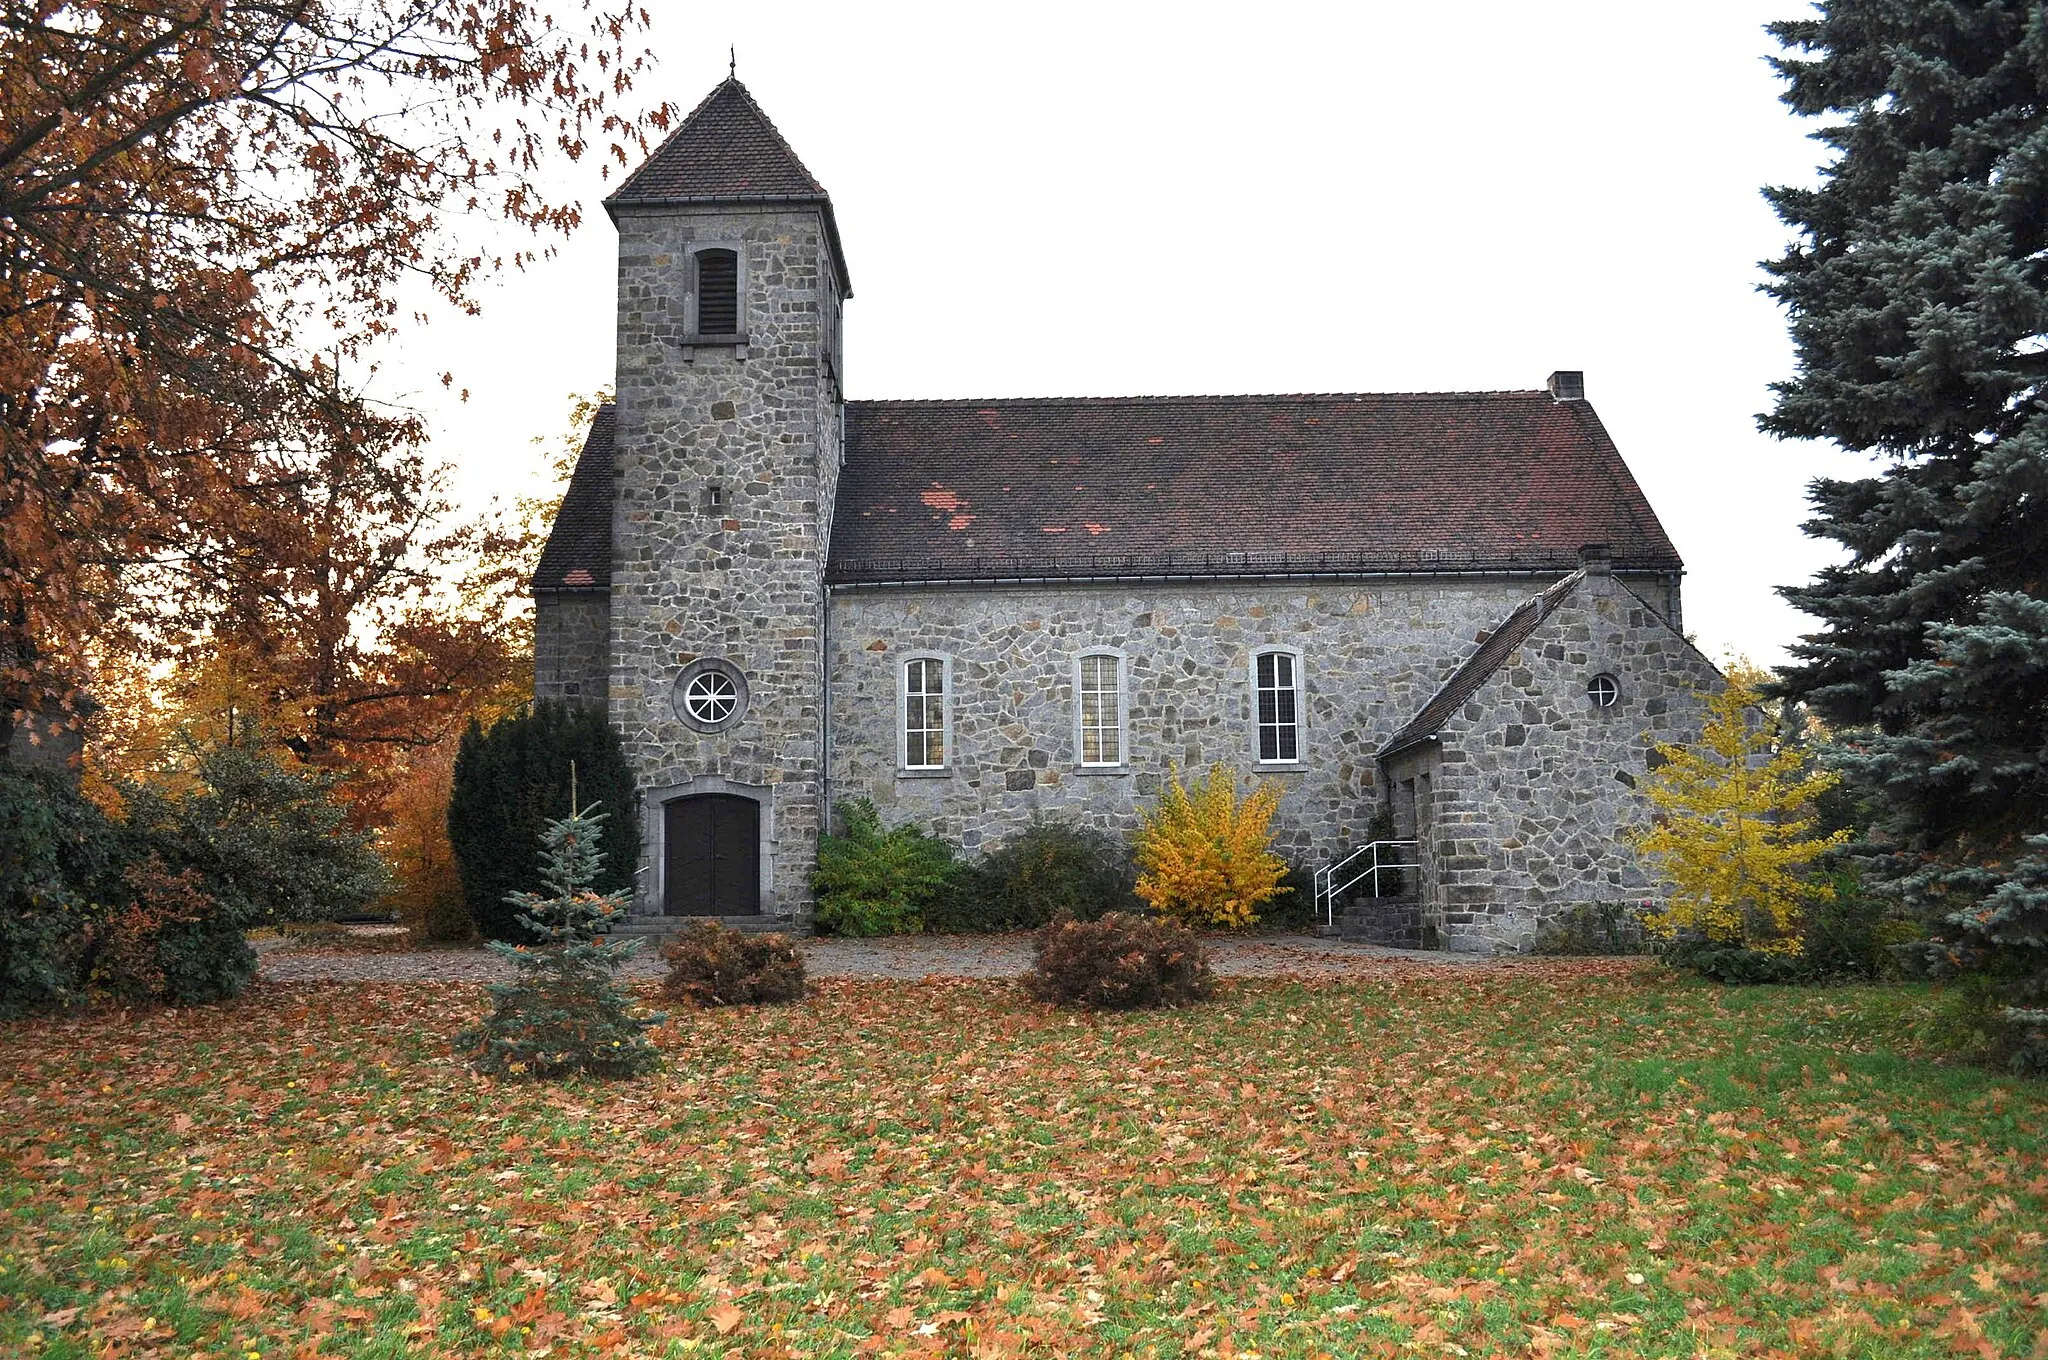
[(726, 455)]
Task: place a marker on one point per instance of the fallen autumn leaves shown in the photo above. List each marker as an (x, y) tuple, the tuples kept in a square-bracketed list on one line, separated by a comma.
[(1555, 1158)]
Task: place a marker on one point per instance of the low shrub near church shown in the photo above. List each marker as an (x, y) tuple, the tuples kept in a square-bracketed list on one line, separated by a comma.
[(151, 907), (1593, 928), (1053, 868), (1121, 962), (1205, 855), (714, 965), (873, 880)]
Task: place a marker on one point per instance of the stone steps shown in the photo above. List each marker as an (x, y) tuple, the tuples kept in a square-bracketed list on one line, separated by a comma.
[(669, 925)]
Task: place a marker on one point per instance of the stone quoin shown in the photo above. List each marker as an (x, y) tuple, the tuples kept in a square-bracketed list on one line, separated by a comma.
[(1456, 608)]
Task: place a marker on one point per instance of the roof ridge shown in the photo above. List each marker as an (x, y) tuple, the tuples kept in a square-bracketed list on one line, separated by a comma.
[(1186, 397)]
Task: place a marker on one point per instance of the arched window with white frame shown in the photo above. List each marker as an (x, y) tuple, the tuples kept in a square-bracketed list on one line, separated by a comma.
[(1099, 737), (1276, 704), (924, 711)]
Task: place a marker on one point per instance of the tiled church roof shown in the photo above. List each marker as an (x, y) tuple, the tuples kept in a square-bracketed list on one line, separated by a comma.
[(1199, 486), (1432, 482), (727, 151)]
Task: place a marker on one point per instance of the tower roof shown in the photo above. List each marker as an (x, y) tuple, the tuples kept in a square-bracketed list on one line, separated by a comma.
[(727, 151)]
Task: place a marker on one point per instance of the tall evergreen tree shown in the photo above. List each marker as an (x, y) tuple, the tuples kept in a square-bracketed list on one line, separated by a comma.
[(1918, 298)]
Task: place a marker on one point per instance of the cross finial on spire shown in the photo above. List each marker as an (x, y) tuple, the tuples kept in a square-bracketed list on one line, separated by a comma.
[(732, 63)]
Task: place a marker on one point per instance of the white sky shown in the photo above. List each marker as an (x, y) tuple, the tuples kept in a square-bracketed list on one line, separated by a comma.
[(1107, 199)]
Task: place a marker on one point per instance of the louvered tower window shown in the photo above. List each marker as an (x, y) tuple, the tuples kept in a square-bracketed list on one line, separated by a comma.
[(718, 292)]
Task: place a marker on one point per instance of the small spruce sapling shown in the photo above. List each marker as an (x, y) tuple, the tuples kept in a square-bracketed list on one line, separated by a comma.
[(564, 1014)]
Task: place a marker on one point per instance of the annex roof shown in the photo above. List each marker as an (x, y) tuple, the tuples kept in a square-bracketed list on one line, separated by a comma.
[(1479, 667), (727, 151), (578, 555), (1073, 487), (1422, 483)]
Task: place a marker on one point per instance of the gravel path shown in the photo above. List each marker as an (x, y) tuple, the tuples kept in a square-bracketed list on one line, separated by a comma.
[(913, 956)]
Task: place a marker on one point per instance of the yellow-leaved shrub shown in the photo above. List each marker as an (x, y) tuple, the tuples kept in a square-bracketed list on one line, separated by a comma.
[(1735, 824), (1205, 856)]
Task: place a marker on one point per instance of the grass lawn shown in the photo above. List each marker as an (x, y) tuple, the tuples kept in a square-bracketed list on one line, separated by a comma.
[(1564, 1159)]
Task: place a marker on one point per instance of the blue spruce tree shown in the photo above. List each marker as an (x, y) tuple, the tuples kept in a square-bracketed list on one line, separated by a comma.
[(564, 1013), (1918, 297)]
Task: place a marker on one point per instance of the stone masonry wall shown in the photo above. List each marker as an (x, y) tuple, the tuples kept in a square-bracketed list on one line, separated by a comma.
[(1372, 654), (1533, 788), (571, 635), (742, 581)]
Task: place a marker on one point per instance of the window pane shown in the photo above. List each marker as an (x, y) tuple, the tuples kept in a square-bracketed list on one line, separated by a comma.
[(1266, 670), (1269, 706), (924, 713), (1283, 706), (1283, 670), (1289, 749)]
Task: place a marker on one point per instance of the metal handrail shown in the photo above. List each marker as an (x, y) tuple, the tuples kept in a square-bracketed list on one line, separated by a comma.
[(1380, 856)]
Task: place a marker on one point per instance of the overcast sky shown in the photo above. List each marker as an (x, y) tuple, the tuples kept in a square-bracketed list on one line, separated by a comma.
[(1106, 199)]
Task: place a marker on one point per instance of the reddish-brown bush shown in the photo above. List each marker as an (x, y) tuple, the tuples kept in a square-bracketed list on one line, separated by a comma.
[(1121, 962), (714, 965), (129, 959)]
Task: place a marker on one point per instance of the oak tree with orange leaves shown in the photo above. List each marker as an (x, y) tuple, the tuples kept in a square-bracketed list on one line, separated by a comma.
[(207, 209)]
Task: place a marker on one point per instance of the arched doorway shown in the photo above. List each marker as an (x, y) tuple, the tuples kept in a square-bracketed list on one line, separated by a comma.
[(711, 856)]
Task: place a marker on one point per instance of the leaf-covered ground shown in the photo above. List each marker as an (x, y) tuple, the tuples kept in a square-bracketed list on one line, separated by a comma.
[(1565, 1159)]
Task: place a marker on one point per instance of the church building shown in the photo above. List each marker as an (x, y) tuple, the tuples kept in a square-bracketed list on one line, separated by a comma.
[(1454, 606)]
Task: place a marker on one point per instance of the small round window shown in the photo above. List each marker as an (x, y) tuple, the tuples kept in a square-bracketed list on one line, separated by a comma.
[(710, 694), (1603, 690)]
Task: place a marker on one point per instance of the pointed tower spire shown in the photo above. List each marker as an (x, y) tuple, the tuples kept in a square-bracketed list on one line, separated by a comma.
[(727, 151)]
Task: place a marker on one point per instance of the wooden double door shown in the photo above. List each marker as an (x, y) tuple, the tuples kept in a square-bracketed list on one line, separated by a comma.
[(711, 848)]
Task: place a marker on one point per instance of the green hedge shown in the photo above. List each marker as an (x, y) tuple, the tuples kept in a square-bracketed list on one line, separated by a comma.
[(512, 780)]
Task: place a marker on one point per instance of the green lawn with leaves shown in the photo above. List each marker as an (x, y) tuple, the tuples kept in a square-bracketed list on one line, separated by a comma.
[(1553, 1158)]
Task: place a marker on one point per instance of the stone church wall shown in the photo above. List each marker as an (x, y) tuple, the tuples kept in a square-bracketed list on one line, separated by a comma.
[(740, 579), (1528, 796), (1372, 654), (571, 637)]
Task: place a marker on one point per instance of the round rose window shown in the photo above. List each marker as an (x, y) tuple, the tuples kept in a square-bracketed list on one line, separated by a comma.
[(710, 694)]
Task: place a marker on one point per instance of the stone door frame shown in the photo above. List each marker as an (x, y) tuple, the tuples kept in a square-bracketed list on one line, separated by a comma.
[(654, 834)]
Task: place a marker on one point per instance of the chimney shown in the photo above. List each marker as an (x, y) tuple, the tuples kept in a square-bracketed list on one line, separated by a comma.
[(1596, 560), (1567, 384)]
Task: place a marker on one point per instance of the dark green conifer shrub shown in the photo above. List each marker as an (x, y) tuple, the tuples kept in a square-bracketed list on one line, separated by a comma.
[(876, 881), (1122, 962), (507, 781), (564, 1014), (710, 964)]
